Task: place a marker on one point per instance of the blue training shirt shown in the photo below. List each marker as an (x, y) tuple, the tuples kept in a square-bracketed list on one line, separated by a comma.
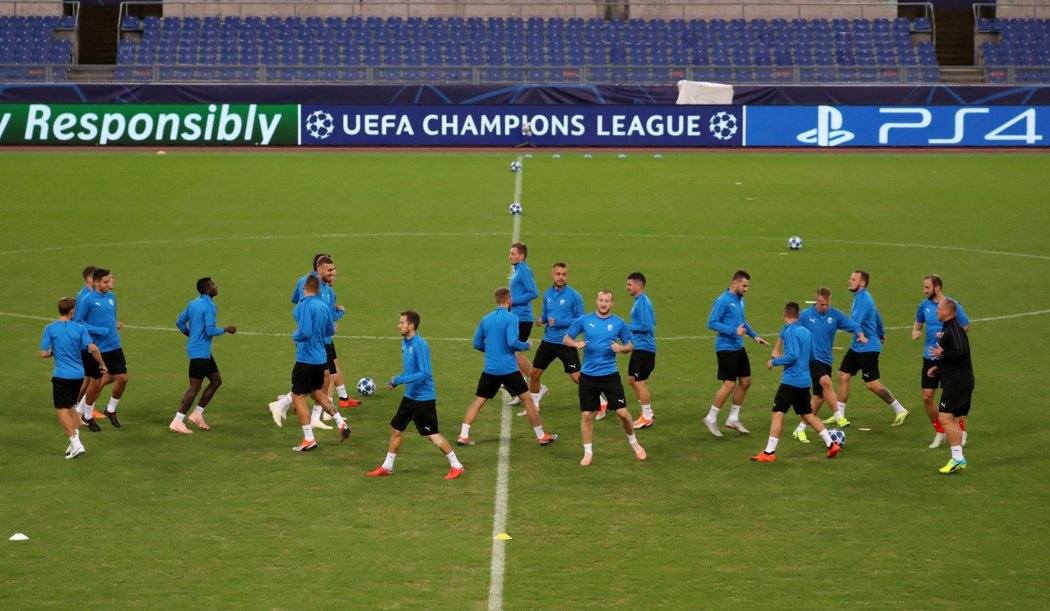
[(727, 315), (823, 328), (643, 324), (327, 295), (864, 314), (417, 374), (66, 339), (98, 314), (522, 291), (599, 333), (798, 351), (313, 324), (927, 313), (497, 337), (564, 306), (198, 319)]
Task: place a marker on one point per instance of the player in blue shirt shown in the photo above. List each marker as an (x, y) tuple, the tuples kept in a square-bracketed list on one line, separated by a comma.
[(823, 322), (523, 290), (64, 340), (497, 337), (864, 356), (604, 336), (197, 323), (734, 368), (313, 322), (98, 314), (89, 286), (926, 316), (643, 357), (561, 306), (794, 385), (419, 405)]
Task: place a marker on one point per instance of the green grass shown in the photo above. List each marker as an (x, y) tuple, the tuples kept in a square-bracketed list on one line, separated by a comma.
[(233, 519)]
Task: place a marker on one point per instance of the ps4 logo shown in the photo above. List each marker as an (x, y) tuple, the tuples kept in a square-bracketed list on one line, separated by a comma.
[(828, 131)]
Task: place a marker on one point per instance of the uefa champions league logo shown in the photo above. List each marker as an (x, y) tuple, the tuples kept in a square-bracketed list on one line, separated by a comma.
[(723, 126), (320, 124)]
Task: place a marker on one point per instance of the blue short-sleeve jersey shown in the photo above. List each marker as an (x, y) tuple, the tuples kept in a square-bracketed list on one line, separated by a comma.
[(599, 333)]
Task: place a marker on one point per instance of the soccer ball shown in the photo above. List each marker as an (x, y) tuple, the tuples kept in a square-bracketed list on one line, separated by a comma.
[(515, 208), (795, 243), (366, 386), (515, 166), (838, 436)]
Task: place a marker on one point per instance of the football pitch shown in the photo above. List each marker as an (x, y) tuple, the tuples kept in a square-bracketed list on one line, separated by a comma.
[(232, 518)]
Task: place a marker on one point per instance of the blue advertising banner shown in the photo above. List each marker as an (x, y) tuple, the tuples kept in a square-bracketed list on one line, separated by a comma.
[(411, 125), (898, 126)]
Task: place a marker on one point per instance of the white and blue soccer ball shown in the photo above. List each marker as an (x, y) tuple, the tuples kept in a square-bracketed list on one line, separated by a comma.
[(515, 208), (795, 243), (515, 166), (838, 436), (366, 386)]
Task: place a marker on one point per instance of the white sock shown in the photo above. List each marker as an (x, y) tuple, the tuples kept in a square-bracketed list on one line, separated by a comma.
[(199, 410), (179, 416), (74, 440), (388, 464), (826, 436), (308, 432), (647, 411), (82, 405), (112, 407), (341, 389), (713, 414), (539, 431), (284, 402), (316, 413), (464, 431), (734, 413), (841, 411), (771, 445), (587, 448), (897, 407), (89, 411), (632, 439), (535, 398), (339, 421), (76, 435), (957, 453), (801, 428), (453, 461)]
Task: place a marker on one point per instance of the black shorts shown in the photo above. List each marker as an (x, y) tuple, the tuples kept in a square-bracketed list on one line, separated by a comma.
[(927, 382), (857, 361), (955, 398), (65, 391), (329, 350), (524, 331), (90, 365), (733, 364), (488, 384), (202, 368), (818, 370), (792, 396), (307, 378), (115, 363), (423, 413), (641, 365), (592, 387), (548, 351)]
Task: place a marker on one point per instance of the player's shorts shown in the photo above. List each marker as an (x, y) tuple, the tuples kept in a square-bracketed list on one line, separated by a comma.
[(817, 370), (202, 368), (733, 364), (115, 363), (488, 384), (592, 387), (955, 398), (641, 365), (792, 396), (857, 361), (307, 378), (928, 382), (524, 331), (423, 413), (64, 391), (548, 351), (329, 350), (90, 365)]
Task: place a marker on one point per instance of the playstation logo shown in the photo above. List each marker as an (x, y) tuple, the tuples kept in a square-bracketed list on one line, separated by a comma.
[(829, 130)]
